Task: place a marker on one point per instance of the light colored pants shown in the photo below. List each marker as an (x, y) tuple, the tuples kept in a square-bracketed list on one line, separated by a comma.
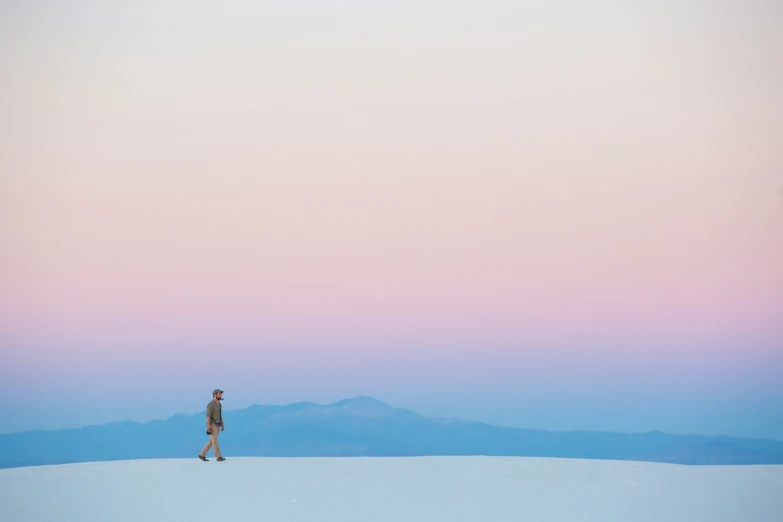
[(213, 441)]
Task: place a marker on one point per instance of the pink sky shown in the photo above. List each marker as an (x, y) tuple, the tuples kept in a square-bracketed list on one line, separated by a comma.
[(580, 191)]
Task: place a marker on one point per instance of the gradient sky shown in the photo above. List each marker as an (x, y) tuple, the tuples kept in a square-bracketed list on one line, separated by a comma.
[(560, 216)]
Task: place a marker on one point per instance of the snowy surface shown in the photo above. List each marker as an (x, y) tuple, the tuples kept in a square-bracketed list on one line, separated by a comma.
[(481, 489)]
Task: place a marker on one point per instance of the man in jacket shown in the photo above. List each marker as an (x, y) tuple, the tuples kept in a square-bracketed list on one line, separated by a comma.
[(215, 425)]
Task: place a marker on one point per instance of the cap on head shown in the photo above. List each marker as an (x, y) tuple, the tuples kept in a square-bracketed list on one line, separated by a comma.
[(216, 392)]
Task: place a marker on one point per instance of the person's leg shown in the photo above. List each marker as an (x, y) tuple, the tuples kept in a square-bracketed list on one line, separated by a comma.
[(206, 448), (214, 440)]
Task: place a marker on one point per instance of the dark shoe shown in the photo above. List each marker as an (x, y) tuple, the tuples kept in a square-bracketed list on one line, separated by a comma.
[(220, 459), (202, 457)]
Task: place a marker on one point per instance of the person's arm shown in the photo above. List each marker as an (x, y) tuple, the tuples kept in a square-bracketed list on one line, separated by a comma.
[(209, 416), (222, 423)]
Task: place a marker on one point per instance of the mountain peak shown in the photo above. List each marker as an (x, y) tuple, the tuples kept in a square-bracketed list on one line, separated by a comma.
[(363, 404), (361, 399)]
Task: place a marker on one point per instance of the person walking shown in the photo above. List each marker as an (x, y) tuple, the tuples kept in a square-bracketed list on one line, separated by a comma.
[(215, 425)]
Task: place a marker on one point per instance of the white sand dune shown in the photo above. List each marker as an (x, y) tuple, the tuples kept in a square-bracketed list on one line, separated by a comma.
[(430, 489)]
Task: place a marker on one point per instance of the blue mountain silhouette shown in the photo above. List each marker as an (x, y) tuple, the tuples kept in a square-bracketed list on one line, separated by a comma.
[(365, 426)]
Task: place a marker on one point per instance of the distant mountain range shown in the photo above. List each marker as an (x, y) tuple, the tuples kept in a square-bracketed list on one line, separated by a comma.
[(364, 426)]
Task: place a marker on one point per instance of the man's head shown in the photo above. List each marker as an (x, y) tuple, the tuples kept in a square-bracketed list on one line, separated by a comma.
[(218, 394)]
